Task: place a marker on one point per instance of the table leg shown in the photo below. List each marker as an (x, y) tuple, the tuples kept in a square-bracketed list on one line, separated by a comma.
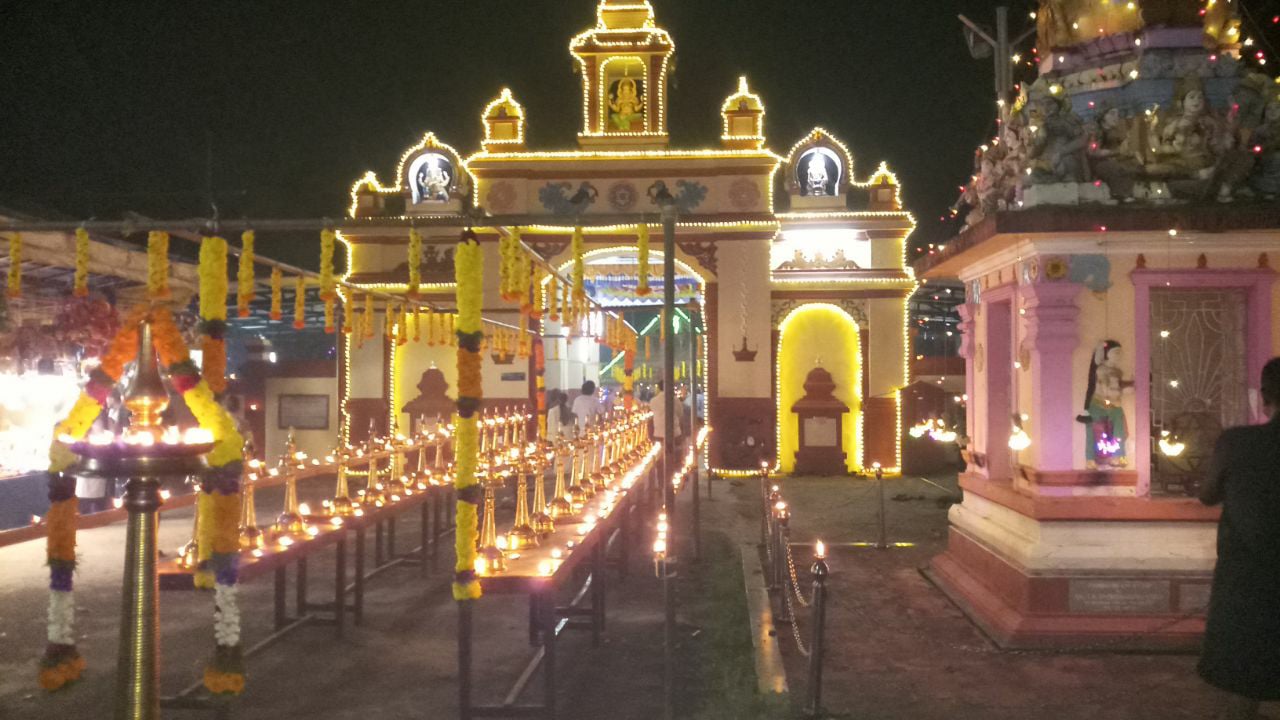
[(377, 544), (340, 584), (359, 578), (597, 592), (300, 592), (424, 539), (549, 656), (281, 587), (391, 539)]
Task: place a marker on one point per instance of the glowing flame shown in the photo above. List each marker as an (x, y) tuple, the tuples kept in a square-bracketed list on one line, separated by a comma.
[(819, 550)]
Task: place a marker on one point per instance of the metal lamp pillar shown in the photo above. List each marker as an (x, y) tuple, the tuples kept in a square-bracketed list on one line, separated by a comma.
[(668, 435), (137, 680)]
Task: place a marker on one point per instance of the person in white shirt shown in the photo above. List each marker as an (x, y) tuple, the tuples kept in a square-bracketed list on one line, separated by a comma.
[(659, 407), (586, 406)]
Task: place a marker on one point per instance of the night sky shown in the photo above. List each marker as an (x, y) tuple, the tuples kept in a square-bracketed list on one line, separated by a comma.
[(273, 109)]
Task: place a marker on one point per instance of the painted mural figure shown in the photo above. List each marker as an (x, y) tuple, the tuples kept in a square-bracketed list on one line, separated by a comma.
[(627, 106), (1106, 429)]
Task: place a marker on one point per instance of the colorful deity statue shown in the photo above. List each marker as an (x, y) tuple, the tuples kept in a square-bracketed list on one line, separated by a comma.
[(1106, 429), (1113, 155), (1183, 142), (627, 105), (1266, 142), (816, 176), (1058, 140)]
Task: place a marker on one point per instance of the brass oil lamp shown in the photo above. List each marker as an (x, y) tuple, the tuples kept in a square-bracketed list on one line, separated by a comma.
[(542, 522), (289, 523), (522, 533), (561, 505)]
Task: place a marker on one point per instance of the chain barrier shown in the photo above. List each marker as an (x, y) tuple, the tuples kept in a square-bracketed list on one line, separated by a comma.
[(795, 626), (795, 581)]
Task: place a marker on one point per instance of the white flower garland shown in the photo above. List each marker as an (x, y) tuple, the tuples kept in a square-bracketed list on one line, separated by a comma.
[(62, 617), (226, 616)]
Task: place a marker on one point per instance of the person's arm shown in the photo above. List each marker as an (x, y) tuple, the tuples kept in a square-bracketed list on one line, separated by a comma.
[(1213, 489)]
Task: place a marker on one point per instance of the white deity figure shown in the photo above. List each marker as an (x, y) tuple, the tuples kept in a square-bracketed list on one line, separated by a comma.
[(433, 181), (816, 176)]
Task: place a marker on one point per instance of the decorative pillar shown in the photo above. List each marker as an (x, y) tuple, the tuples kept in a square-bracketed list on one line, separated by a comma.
[(968, 326), (1051, 315)]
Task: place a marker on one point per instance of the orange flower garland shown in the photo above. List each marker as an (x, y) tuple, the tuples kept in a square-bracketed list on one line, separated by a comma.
[(277, 294), (244, 275), (213, 311), (81, 281), (157, 265), (300, 303)]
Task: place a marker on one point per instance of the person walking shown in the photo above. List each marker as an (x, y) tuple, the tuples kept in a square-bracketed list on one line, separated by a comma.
[(586, 406), (1242, 635)]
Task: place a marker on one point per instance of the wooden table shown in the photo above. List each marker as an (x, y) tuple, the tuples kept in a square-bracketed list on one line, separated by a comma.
[(538, 573)]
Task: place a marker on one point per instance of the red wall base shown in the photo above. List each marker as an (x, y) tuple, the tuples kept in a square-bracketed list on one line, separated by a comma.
[(1022, 611)]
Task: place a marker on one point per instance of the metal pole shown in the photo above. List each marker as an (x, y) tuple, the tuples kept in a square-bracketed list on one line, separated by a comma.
[(1004, 65), (884, 541), (816, 646), (464, 659), (693, 434), (782, 568), (668, 434), (137, 681)]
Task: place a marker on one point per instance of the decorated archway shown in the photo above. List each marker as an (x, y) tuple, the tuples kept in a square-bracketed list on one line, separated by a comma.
[(811, 336)]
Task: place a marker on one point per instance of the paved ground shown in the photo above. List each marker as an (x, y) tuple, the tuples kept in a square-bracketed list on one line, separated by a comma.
[(898, 648)]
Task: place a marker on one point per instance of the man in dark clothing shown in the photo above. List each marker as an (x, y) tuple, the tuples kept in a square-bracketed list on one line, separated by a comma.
[(1242, 636)]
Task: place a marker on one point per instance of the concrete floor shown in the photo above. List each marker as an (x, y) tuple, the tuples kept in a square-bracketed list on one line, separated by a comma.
[(898, 648)]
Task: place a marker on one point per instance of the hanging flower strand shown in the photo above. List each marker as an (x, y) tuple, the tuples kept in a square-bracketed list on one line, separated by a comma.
[(157, 265), (300, 303), (415, 263), (579, 266), (328, 283), (469, 271), (642, 245), (349, 313), (277, 294), (81, 283), (213, 311), (244, 275), (14, 289)]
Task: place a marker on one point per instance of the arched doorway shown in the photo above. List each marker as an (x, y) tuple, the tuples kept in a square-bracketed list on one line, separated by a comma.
[(610, 278), (813, 335)]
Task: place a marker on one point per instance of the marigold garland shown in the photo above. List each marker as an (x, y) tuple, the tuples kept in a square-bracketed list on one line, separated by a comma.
[(579, 265), (62, 662), (417, 324), (299, 303), (469, 273), (540, 384), (157, 265), (244, 275), (368, 316), (415, 263), (402, 326), (328, 282), (81, 278), (642, 246), (14, 288), (348, 314), (550, 297), (213, 311), (277, 294)]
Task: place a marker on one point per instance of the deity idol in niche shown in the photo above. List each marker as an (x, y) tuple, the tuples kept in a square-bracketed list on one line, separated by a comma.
[(816, 176), (433, 180), (1111, 154), (1058, 140), (1266, 139), (1184, 142), (1106, 429), (627, 105)]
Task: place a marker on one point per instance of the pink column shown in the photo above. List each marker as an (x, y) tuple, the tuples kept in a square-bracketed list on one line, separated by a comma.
[(1051, 314), (968, 321)]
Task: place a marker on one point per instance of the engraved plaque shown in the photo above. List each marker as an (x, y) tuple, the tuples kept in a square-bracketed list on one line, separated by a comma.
[(1097, 596), (820, 432)]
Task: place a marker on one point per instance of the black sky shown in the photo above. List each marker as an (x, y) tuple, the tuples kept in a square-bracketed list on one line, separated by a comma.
[(278, 106)]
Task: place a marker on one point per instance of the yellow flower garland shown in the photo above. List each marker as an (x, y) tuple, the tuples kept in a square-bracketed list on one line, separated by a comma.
[(642, 245), (81, 282), (328, 284), (15, 266), (277, 294), (300, 303), (367, 321), (244, 274), (469, 272), (415, 262), (579, 265), (157, 265), (349, 314), (213, 311)]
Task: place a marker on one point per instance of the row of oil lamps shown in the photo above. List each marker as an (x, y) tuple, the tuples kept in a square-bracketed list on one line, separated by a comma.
[(605, 460), (585, 464)]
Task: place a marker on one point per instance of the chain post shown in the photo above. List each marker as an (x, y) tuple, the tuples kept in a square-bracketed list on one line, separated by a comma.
[(816, 643)]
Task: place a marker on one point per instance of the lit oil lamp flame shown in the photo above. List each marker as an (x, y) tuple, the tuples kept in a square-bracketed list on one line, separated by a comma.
[(820, 550)]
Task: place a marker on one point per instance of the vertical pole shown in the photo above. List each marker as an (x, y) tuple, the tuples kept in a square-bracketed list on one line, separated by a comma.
[(817, 646), (669, 493), (137, 682), (693, 434), (1004, 66), (464, 659), (884, 540)]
